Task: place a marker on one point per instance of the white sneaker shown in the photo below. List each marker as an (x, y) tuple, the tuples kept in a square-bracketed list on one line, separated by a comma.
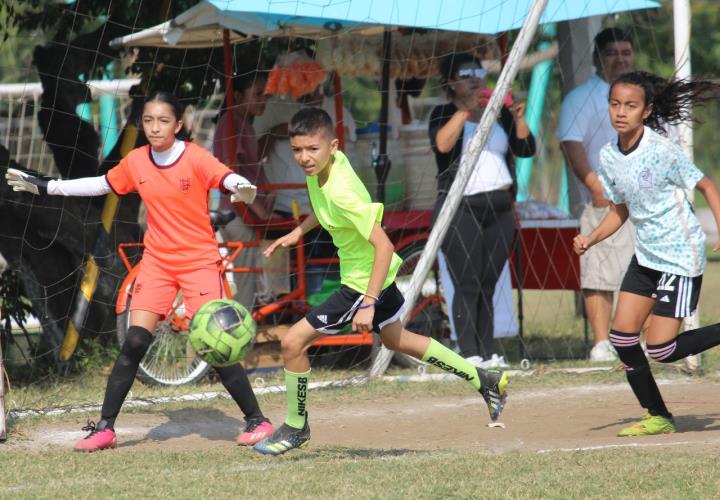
[(495, 361), (602, 352), (476, 361), (499, 361)]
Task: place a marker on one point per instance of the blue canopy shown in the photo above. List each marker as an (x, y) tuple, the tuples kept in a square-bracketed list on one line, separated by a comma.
[(203, 24), (475, 16)]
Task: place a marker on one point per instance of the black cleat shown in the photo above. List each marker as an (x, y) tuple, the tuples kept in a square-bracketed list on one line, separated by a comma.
[(492, 389)]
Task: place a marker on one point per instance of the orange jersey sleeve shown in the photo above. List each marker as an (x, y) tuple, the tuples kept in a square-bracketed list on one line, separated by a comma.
[(210, 170), (120, 177)]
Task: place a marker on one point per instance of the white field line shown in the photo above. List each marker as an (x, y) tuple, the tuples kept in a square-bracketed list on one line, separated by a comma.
[(359, 380), (198, 396), (628, 445)]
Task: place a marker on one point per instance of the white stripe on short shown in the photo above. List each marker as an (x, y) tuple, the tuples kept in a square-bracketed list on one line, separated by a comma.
[(684, 297), (344, 318), (395, 317), (688, 298)]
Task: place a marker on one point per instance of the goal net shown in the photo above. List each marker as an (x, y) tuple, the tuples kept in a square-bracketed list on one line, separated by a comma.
[(481, 217)]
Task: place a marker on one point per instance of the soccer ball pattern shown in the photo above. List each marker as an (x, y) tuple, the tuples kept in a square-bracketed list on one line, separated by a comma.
[(222, 332)]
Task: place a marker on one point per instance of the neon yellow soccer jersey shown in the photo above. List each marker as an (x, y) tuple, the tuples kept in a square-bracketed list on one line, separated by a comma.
[(344, 208)]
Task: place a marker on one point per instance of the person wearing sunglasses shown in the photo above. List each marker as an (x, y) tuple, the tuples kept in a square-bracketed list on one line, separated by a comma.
[(478, 241)]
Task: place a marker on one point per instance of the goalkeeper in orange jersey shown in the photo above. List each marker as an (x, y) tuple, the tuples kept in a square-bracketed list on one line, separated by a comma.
[(172, 178)]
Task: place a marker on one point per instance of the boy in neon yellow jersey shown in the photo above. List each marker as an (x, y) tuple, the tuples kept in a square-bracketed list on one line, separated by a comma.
[(368, 297)]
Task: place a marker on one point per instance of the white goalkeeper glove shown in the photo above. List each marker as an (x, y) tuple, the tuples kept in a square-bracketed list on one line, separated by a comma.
[(243, 193), (20, 181)]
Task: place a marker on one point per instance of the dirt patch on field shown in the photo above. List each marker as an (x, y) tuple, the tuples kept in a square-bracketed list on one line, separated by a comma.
[(540, 420)]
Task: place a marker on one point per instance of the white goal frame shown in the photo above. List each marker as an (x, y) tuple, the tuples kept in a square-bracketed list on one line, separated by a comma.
[(454, 196)]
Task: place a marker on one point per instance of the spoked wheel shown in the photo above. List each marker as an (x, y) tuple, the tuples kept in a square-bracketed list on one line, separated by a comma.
[(429, 315), (170, 359)]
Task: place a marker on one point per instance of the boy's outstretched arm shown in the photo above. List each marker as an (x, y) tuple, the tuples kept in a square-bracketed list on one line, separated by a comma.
[(381, 265), (615, 218), (293, 236), (710, 192)]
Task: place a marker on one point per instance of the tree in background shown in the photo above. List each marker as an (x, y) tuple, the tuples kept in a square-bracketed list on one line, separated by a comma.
[(653, 30), (46, 241)]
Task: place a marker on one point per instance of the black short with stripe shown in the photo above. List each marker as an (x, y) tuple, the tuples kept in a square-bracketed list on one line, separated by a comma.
[(338, 310), (675, 296)]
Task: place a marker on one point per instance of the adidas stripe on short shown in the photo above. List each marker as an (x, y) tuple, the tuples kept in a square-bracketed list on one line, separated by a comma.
[(338, 310), (675, 296)]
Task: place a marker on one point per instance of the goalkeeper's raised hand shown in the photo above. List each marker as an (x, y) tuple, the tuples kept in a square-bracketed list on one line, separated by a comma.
[(20, 181), (244, 193)]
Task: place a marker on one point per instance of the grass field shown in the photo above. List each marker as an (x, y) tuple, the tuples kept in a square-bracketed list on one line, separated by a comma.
[(390, 440), (345, 473), (352, 455)]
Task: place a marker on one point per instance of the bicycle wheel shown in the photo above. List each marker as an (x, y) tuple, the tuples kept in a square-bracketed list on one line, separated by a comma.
[(170, 360), (431, 317)]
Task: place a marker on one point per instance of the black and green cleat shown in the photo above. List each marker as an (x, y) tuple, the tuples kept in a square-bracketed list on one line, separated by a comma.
[(492, 389), (283, 440)]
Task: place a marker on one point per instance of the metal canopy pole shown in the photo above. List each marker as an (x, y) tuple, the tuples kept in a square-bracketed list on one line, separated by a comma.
[(454, 196), (382, 162), (229, 94)]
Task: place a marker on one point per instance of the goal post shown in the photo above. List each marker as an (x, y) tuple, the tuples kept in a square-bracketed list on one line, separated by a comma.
[(683, 69), (3, 429), (454, 196)]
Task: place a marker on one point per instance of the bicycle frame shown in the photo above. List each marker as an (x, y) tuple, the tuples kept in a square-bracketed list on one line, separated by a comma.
[(398, 225)]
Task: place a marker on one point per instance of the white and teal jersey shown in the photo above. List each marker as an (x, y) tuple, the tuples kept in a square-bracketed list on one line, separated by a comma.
[(650, 181)]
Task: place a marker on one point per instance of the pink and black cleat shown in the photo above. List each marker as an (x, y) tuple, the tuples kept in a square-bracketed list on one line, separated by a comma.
[(101, 437), (255, 431)]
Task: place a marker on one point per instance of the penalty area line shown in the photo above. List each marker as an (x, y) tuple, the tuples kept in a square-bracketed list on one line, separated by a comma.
[(625, 445)]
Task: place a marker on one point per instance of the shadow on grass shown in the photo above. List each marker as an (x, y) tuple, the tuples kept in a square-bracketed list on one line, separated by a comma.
[(685, 423), (205, 423), (695, 423), (345, 453)]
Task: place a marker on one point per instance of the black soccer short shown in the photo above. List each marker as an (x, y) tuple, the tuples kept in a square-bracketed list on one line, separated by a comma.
[(675, 296), (338, 310)]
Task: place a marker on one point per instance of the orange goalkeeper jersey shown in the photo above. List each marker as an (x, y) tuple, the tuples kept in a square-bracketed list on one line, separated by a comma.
[(179, 234)]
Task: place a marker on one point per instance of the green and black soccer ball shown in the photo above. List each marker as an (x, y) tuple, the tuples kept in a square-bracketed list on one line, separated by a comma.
[(222, 332)]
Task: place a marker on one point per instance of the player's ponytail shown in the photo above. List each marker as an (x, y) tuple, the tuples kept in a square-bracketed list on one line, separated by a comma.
[(672, 100)]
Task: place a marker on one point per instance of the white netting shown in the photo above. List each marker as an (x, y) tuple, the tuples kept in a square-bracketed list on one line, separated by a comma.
[(54, 123)]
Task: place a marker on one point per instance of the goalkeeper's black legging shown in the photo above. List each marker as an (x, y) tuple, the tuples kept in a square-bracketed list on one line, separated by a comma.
[(123, 374), (476, 248)]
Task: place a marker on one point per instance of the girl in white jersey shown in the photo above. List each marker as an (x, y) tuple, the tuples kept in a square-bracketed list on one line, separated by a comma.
[(644, 176)]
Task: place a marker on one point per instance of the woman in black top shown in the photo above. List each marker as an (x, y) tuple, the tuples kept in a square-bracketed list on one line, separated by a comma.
[(479, 239)]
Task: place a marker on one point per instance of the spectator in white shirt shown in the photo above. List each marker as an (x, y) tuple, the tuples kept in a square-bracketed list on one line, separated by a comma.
[(583, 129)]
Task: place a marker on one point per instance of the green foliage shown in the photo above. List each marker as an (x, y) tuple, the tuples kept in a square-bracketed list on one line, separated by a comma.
[(14, 307), (15, 51), (94, 355), (7, 22), (83, 29), (653, 33)]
